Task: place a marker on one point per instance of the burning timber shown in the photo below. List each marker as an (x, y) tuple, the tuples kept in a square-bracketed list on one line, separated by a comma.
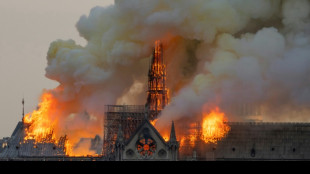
[(17, 146), (157, 91)]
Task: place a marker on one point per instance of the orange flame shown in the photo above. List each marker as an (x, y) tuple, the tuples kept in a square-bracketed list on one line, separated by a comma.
[(212, 129), (192, 136), (153, 122), (41, 124), (166, 137), (214, 126), (164, 132), (42, 127)]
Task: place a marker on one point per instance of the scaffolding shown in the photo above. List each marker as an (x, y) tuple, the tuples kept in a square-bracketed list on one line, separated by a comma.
[(190, 140), (128, 116)]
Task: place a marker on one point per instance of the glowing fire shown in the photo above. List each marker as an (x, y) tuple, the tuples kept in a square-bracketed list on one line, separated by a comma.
[(158, 94), (191, 137), (214, 126), (212, 129), (41, 125), (166, 137), (153, 122)]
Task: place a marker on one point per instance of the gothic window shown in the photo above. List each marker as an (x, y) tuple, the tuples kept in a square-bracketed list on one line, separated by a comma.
[(146, 145)]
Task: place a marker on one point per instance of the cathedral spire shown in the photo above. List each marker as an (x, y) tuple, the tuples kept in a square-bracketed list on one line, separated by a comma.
[(157, 94)]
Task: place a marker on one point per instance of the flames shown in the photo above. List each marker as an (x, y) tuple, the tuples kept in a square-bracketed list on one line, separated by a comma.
[(153, 122), (208, 129), (40, 124), (211, 129), (190, 138), (214, 126)]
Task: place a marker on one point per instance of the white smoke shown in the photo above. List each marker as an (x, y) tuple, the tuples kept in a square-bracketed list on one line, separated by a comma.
[(218, 52)]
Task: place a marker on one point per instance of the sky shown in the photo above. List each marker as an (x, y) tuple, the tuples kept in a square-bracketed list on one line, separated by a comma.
[(26, 30)]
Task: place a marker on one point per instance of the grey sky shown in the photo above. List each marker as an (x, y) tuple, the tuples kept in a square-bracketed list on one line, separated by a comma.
[(26, 30)]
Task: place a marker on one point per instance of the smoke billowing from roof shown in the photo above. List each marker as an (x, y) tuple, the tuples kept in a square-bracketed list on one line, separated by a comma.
[(218, 52)]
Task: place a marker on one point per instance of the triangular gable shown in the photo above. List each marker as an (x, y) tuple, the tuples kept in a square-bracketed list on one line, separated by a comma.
[(139, 129)]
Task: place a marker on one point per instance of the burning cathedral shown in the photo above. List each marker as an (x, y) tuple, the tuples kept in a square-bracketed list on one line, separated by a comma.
[(130, 134)]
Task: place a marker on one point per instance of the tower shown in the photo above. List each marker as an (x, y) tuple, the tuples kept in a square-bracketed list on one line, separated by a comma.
[(157, 95)]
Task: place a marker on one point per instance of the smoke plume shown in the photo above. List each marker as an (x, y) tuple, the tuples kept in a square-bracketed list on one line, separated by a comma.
[(227, 53)]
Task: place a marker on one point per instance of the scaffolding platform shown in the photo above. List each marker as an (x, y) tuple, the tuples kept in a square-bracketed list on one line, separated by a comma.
[(128, 116)]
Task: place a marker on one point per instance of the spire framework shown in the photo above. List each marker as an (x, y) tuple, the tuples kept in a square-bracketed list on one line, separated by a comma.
[(157, 91)]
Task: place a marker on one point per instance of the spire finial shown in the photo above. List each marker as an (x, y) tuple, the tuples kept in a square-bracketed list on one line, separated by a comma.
[(23, 114), (173, 137)]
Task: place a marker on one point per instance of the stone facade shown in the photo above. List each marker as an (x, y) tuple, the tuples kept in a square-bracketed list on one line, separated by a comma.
[(146, 144)]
